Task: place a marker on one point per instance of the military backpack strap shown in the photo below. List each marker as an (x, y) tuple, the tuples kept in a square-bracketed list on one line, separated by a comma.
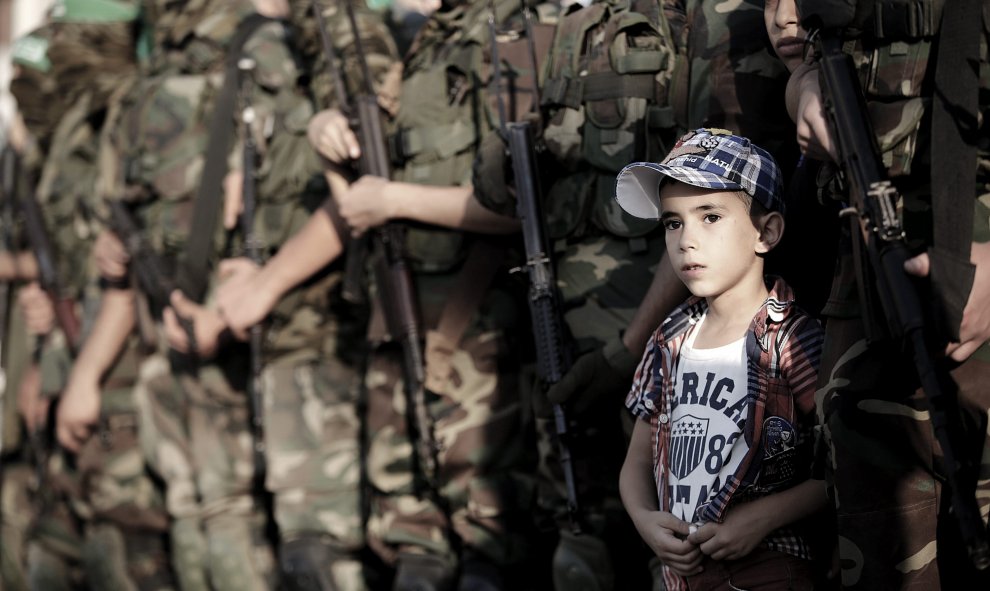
[(194, 268), (463, 302), (955, 132)]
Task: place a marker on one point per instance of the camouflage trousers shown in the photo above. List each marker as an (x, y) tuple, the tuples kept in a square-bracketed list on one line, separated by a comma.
[(482, 494), (16, 515), (101, 521), (312, 435), (894, 523), (195, 433), (602, 283)]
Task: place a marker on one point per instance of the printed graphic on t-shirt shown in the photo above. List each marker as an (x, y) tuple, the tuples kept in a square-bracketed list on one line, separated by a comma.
[(708, 412)]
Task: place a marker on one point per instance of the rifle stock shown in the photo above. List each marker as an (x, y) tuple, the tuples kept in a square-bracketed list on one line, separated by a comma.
[(873, 216)]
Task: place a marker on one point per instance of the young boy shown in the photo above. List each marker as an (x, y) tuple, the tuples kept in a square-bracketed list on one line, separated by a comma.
[(716, 472)]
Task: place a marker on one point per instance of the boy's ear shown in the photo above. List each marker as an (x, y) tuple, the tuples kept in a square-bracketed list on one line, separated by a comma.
[(771, 231)]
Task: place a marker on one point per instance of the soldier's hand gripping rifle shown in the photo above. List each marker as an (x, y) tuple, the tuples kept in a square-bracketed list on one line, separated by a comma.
[(148, 267), (873, 216), (252, 248), (553, 356), (394, 279), (44, 255)]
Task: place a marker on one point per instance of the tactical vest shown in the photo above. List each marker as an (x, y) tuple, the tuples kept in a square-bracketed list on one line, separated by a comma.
[(444, 115), (893, 64), (606, 93)]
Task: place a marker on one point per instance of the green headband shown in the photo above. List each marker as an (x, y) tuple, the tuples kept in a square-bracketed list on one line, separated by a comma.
[(94, 11), (32, 51)]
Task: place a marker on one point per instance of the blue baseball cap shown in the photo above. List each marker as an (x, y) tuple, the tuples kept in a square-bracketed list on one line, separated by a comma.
[(708, 158)]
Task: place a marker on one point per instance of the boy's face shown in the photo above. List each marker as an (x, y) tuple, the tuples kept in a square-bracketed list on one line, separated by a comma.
[(712, 241)]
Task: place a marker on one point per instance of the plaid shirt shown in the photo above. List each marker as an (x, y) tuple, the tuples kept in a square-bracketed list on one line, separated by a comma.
[(783, 347)]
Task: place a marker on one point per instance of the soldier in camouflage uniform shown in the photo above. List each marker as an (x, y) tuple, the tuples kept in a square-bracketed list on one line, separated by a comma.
[(895, 525), (194, 411), (483, 488), (314, 348), (34, 87), (472, 399), (119, 505)]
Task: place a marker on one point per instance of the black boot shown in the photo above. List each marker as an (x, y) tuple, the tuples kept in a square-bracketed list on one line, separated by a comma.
[(479, 574), (423, 572)]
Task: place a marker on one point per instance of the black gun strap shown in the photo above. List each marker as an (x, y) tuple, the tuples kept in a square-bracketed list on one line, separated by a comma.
[(953, 155), (194, 268)]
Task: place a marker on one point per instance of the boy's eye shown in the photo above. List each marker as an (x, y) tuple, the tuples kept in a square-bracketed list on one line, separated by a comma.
[(671, 224), (711, 218)]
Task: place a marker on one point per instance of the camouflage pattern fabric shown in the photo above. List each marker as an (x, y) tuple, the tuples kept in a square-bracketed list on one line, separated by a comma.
[(733, 80), (198, 437), (17, 511), (894, 522), (120, 506), (483, 492), (313, 456), (163, 411), (380, 51), (602, 284), (238, 554)]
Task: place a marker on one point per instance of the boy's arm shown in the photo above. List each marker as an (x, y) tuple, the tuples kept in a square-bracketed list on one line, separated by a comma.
[(663, 532), (746, 525)]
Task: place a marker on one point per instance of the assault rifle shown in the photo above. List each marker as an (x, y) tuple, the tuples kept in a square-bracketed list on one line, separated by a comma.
[(874, 218), (392, 270), (8, 187), (252, 249), (553, 356), (44, 256), (148, 267)]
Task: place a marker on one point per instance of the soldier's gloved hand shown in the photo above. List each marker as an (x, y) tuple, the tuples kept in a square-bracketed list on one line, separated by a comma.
[(598, 375)]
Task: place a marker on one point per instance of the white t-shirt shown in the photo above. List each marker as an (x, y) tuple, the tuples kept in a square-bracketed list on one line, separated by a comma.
[(708, 413)]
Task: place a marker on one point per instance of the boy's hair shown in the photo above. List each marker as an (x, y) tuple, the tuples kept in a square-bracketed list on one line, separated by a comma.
[(708, 158)]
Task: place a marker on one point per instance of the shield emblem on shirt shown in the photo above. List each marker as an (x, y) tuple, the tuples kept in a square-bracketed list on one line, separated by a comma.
[(687, 444)]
